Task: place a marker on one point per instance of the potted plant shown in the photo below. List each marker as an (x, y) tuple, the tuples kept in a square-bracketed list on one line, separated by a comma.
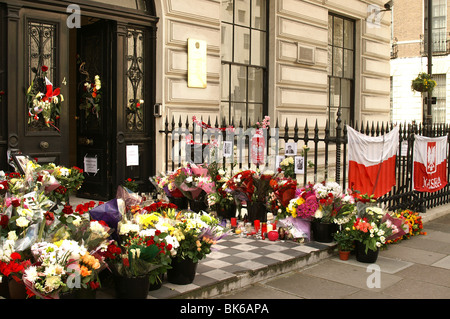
[(195, 234), (344, 242), (333, 205), (370, 231), (141, 252), (423, 83)]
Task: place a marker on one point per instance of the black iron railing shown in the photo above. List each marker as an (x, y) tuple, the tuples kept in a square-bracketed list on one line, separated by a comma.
[(327, 155)]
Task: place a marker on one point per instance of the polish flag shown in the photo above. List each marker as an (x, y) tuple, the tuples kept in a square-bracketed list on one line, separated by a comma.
[(430, 163), (371, 161)]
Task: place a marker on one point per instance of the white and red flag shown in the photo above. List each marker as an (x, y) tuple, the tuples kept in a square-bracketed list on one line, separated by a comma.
[(430, 163), (371, 161)]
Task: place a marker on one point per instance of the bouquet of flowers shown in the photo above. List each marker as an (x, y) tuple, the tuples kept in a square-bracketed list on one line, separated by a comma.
[(60, 267), (283, 190), (68, 256), (196, 233), (69, 180), (194, 182), (412, 224), (221, 198), (166, 184), (23, 217), (334, 205), (287, 167), (305, 204), (142, 249), (13, 265), (241, 186), (263, 184), (130, 184)]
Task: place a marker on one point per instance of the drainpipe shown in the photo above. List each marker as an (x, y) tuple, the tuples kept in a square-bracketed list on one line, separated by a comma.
[(430, 61)]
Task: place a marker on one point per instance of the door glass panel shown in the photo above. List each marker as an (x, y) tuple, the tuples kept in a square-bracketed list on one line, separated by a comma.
[(135, 80), (42, 50)]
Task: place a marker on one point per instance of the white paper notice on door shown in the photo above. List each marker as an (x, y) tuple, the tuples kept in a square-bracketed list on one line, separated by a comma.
[(132, 155), (90, 164)]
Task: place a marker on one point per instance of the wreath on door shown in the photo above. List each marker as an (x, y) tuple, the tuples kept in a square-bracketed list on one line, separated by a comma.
[(43, 101), (92, 93)]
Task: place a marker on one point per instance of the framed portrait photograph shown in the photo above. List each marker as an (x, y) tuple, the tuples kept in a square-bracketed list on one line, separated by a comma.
[(20, 161), (299, 165), (291, 149), (227, 148), (278, 160)]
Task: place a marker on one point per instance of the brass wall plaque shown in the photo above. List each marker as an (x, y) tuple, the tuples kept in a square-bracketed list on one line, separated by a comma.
[(196, 63)]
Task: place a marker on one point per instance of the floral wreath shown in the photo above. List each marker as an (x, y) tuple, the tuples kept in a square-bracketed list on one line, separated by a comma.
[(92, 95), (42, 100), (203, 125), (135, 105)]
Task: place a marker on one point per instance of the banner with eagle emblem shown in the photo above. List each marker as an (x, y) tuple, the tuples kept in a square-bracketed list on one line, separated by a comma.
[(430, 163)]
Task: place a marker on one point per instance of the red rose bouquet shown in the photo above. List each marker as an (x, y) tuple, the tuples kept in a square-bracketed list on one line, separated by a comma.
[(241, 186)]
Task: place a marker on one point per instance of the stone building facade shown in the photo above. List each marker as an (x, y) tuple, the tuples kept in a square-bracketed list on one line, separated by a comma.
[(289, 59)]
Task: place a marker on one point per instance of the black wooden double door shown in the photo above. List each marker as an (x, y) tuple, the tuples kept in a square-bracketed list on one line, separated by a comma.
[(121, 56)]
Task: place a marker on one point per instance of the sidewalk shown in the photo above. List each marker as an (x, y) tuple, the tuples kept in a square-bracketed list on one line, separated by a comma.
[(244, 268), (417, 268)]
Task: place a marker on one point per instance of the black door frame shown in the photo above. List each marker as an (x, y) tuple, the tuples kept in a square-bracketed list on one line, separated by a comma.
[(14, 22)]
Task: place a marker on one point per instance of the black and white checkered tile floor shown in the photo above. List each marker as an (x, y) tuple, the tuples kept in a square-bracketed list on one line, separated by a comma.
[(235, 255)]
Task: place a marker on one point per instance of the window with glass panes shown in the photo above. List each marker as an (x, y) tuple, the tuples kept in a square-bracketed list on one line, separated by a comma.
[(243, 55), (439, 110), (341, 65), (439, 26)]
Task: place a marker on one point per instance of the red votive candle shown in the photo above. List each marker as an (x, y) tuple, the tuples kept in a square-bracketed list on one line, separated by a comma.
[(233, 222), (263, 228), (256, 224)]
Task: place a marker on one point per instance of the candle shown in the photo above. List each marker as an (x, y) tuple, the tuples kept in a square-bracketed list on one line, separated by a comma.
[(233, 222), (263, 228), (257, 224), (269, 227)]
